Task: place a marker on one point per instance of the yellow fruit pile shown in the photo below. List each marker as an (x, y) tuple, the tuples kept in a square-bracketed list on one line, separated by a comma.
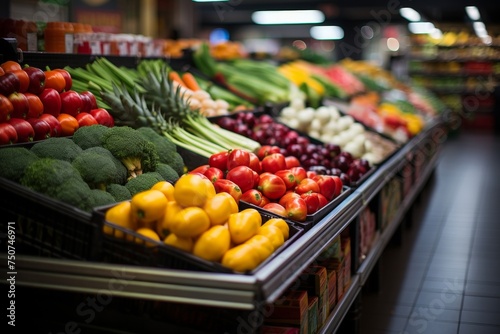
[(192, 217)]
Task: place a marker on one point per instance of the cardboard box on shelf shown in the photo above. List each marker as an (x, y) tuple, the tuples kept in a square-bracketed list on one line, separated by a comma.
[(315, 280), (290, 310), (313, 315)]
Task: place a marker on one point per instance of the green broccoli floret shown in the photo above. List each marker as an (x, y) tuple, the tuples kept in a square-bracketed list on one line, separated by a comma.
[(132, 149), (75, 192), (101, 197), (167, 172), (14, 161), (121, 171), (119, 192), (97, 170), (143, 182), (176, 161), (167, 150), (60, 148), (89, 136), (46, 175)]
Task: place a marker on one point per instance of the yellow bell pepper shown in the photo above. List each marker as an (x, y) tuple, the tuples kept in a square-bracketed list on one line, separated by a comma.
[(185, 244), (219, 207), (241, 258), (193, 190), (163, 224), (281, 224), (166, 188), (120, 215), (274, 234), (262, 245), (244, 225), (190, 222), (212, 244), (148, 206)]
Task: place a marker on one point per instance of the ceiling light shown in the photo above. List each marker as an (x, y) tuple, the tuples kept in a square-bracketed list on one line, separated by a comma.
[(421, 27), (410, 14), (327, 32), (473, 13), (288, 17), (480, 29)]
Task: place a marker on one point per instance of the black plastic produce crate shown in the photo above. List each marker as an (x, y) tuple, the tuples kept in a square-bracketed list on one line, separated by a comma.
[(311, 219), (46, 227), (124, 246)]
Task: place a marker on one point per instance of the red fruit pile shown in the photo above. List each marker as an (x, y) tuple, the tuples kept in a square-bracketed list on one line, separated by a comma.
[(37, 104), (271, 181)]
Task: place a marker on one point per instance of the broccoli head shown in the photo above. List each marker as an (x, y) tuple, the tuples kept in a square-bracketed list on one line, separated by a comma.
[(46, 175), (167, 150), (121, 171), (101, 197), (176, 161), (14, 162), (143, 182), (138, 154), (89, 136), (97, 170), (167, 172), (75, 192), (60, 148), (119, 192)]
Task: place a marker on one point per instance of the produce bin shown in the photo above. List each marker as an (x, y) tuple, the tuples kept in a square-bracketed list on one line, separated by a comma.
[(124, 246), (47, 227)]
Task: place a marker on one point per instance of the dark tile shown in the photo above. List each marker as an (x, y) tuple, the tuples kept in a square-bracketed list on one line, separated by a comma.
[(476, 303), (393, 323), (424, 325), (481, 317), (439, 301), (482, 289), (447, 285), (475, 329)]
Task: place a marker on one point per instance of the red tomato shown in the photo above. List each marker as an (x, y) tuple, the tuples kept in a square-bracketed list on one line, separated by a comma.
[(8, 134), (55, 125), (213, 174), (273, 162), (327, 186), (103, 117), (230, 187), (255, 163), (265, 150), (51, 101), (200, 169), (85, 119), (54, 79), (275, 208), (252, 196), (237, 157), (37, 79), (322, 200), (265, 201), (21, 105), (292, 161), (307, 185), (271, 186), (311, 174), (24, 130), (69, 124), (287, 196), (287, 177), (312, 202), (71, 103), (6, 108), (219, 160), (296, 209), (300, 173), (243, 176), (35, 105)]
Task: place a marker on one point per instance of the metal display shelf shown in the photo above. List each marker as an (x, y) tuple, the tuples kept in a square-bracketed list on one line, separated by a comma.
[(234, 291)]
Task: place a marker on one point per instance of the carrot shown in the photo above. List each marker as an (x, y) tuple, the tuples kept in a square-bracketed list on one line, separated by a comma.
[(174, 76), (190, 81)]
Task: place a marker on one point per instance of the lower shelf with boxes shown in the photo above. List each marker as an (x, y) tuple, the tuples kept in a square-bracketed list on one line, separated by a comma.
[(309, 300)]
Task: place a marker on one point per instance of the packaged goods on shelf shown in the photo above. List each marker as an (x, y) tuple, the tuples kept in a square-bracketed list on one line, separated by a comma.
[(291, 309), (314, 280), (313, 315)]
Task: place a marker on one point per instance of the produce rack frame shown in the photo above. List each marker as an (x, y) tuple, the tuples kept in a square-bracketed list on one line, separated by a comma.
[(244, 292)]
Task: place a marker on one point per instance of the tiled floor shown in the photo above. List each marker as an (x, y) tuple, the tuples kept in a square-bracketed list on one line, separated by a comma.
[(444, 277)]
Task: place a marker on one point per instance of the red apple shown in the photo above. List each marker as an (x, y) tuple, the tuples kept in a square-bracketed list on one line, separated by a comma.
[(51, 101), (71, 103), (85, 119), (8, 134), (55, 125), (67, 78), (92, 98), (20, 103), (42, 128), (103, 117), (37, 79), (25, 132)]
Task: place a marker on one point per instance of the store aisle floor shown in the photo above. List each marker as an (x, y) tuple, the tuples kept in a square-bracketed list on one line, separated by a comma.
[(444, 277)]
